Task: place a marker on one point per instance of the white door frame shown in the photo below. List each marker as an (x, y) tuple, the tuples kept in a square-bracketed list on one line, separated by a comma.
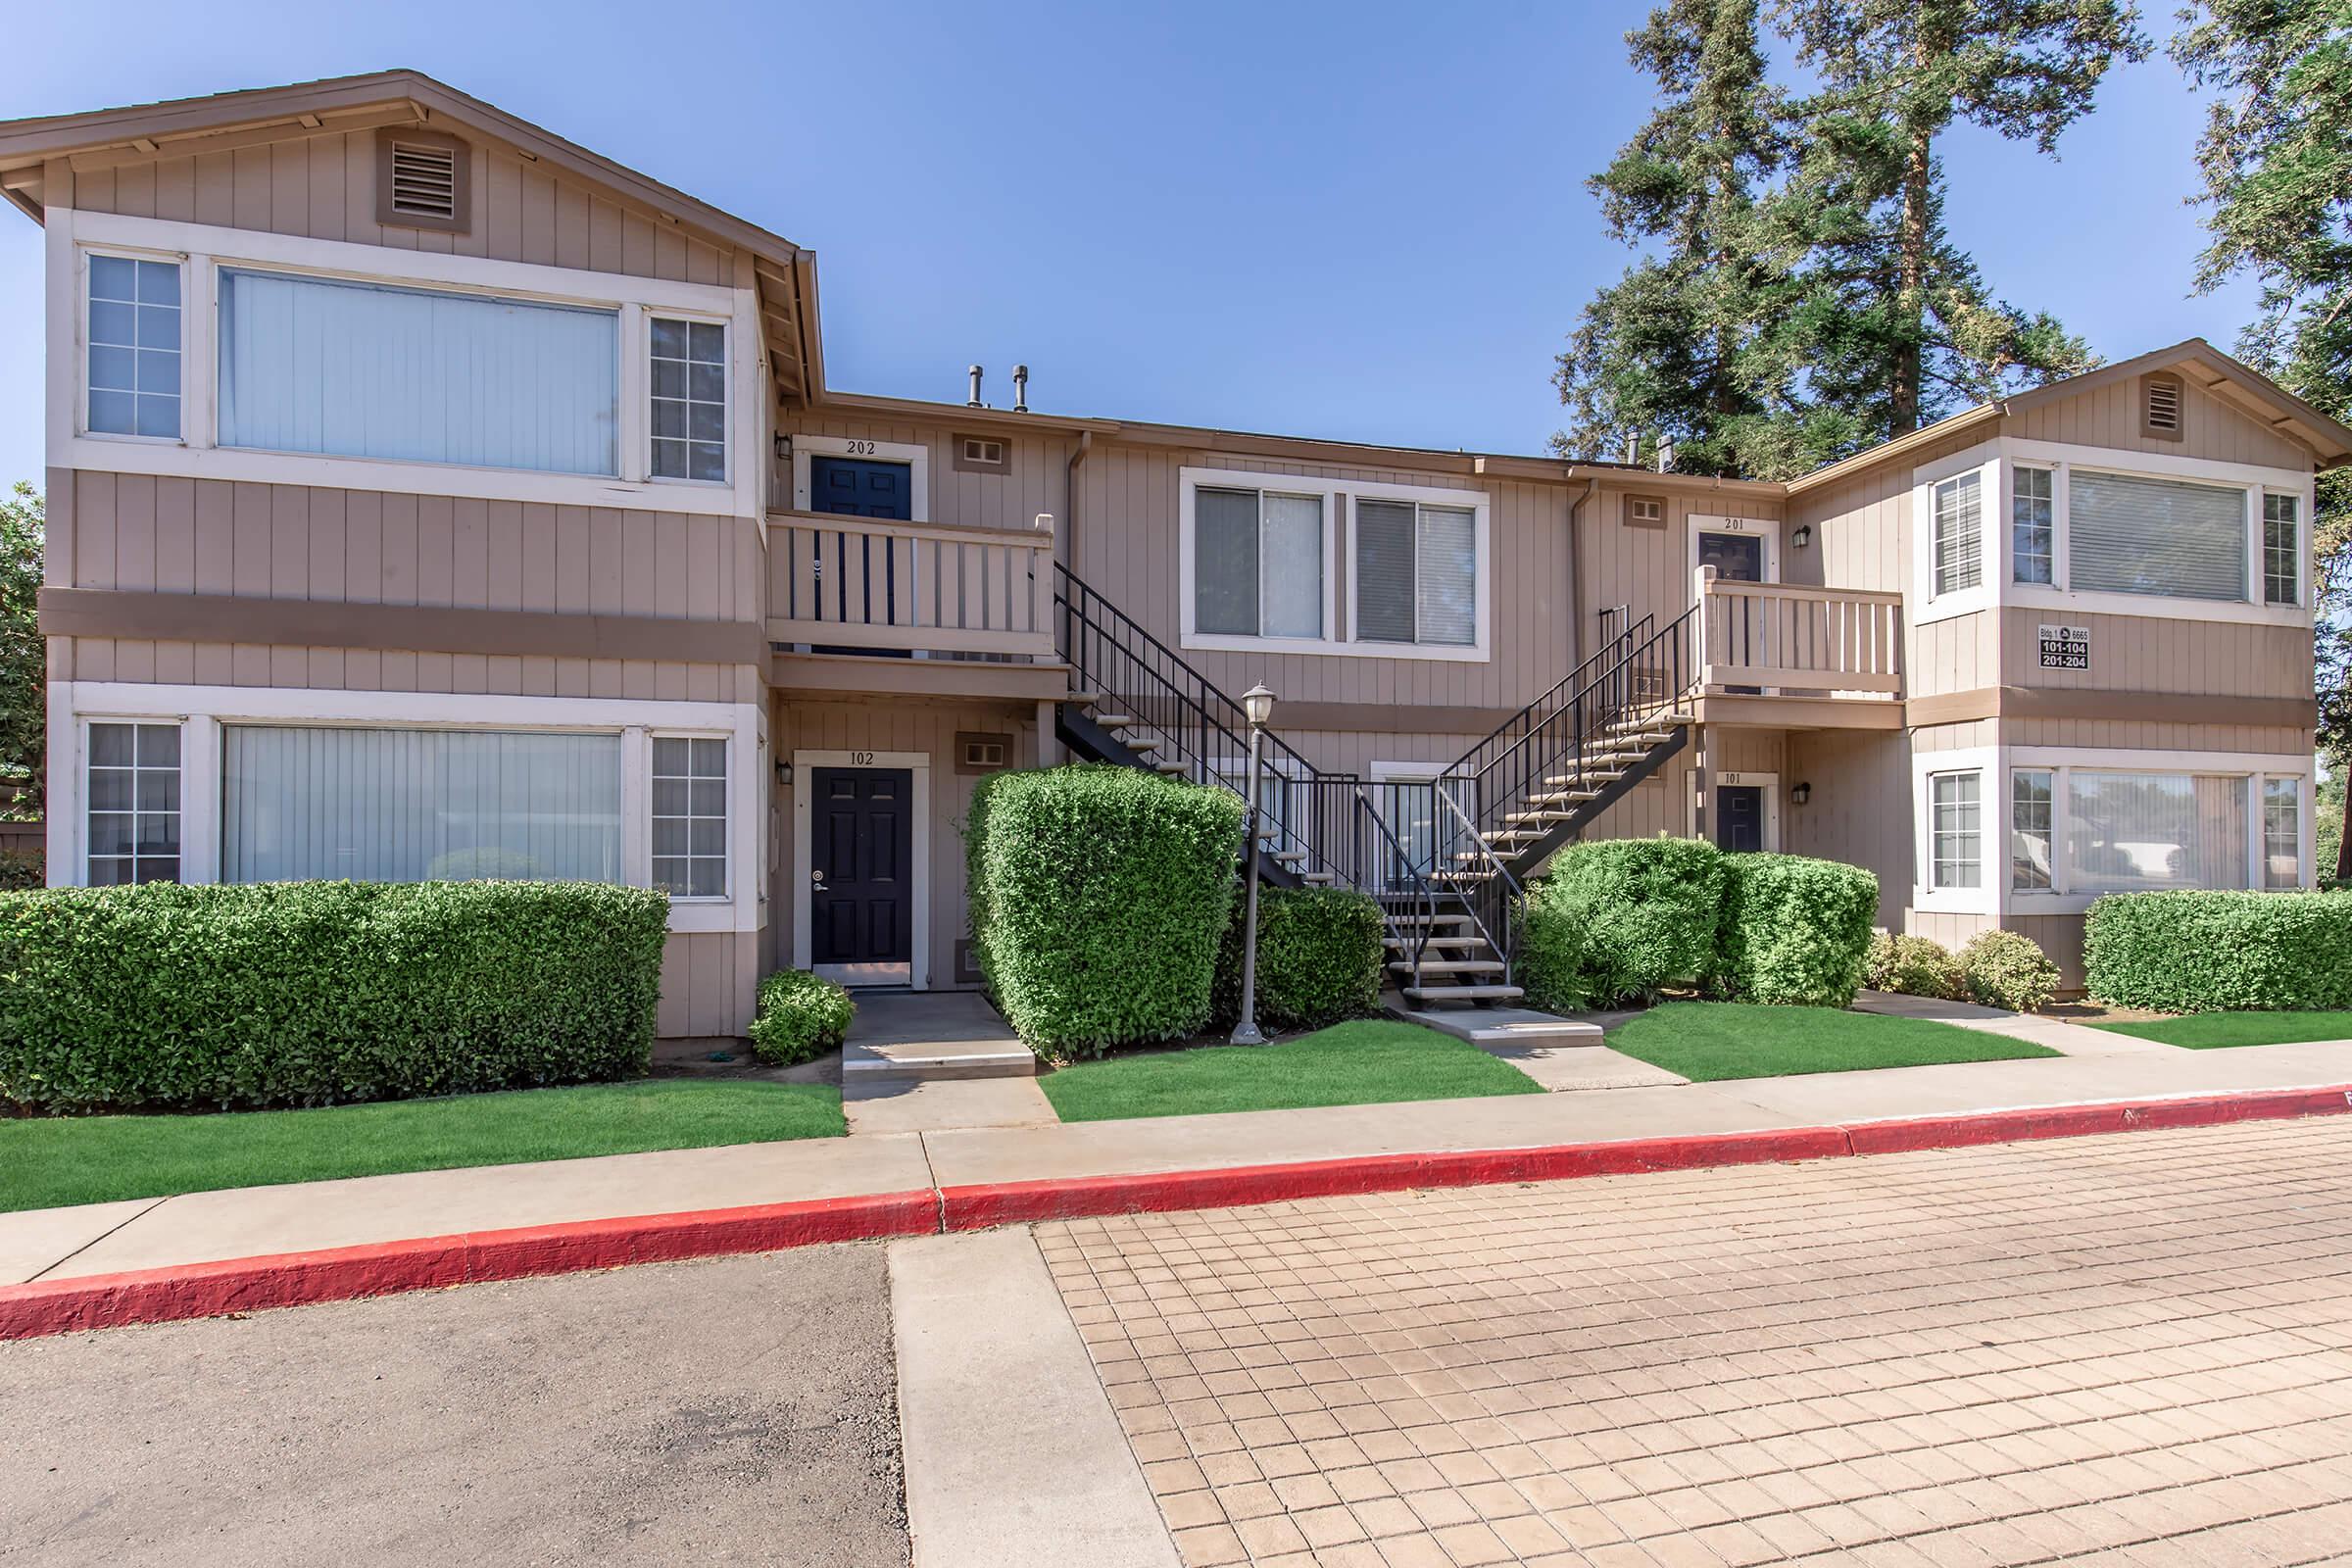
[(920, 762), (1736, 779)]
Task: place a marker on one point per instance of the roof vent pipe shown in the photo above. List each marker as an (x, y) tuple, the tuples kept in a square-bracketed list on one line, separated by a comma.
[(973, 402), (1020, 389)]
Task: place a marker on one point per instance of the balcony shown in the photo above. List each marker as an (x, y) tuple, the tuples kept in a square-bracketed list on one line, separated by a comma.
[(850, 596), (1778, 654)]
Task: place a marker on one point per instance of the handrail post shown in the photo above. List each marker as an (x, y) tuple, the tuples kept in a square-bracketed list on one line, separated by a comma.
[(1702, 583)]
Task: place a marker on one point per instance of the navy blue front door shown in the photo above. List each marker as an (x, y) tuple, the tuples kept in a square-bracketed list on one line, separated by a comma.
[(857, 488), (1740, 816), (862, 843)]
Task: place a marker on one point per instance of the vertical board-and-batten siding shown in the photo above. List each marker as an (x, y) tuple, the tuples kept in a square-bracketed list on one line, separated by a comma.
[(709, 983), (2155, 653), (323, 188), (2110, 416)]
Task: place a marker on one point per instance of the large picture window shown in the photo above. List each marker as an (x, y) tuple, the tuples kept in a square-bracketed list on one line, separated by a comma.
[(2134, 832), (1257, 563), (2133, 536), (1416, 573), (314, 365), (419, 805)]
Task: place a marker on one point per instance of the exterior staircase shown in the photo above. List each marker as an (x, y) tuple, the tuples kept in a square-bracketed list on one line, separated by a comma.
[(1448, 859)]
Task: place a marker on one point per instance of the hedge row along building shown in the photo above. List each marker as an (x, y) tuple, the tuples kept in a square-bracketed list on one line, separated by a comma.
[(430, 496)]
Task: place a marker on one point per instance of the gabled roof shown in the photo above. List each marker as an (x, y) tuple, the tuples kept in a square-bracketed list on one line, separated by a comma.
[(105, 138), (2208, 368)]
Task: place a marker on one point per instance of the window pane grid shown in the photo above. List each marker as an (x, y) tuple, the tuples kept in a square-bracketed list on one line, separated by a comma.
[(2282, 555), (1959, 533), (1257, 563), (690, 817), (133, 803), (2281, 833), (2031, 525), (1956, 848), (689, 400), (2029, 825), (134, 347)]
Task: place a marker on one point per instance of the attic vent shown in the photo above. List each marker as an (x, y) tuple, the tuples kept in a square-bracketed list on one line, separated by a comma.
[(2160, 406), (981, 454), (1645, 512), (982, 754), (420, 180)]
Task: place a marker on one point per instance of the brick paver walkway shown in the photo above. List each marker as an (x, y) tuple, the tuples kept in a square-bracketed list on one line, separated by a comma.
[(2133, 1350)]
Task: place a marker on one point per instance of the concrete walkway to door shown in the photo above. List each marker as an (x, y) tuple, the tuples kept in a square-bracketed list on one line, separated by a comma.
[(919, 1061)]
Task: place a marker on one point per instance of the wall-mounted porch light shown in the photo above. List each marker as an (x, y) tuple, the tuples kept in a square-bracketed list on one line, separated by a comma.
[(1801, 793), (1802, 537)]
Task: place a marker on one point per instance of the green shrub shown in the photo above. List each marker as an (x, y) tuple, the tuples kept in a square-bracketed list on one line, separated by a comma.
[(1911, 967), (1099, 898), (1618, 920), (800, 1017), (1319, 957), (311, 992), (2007, 969), (1794, 930), (2219, 952)]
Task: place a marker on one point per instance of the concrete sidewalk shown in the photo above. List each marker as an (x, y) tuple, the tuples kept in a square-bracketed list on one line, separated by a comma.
[(208, 1227)]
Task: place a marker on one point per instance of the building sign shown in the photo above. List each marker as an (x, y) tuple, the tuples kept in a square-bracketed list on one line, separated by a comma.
[(2066, 647)]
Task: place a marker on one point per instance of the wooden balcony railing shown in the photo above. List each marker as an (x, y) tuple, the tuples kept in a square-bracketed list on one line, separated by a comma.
[(1806, 642), (858, 583)]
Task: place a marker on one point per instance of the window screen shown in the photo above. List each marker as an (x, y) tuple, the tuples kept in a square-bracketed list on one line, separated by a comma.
[(1257, 563), (1959, 533), (2130, 535)]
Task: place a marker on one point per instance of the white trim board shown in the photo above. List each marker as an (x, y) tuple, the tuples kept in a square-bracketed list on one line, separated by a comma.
[(202, 710), (914, 454), (919, 967)]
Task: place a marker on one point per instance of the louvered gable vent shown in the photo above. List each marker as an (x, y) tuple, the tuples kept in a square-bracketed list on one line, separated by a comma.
[(421, 180), (2161, 406)]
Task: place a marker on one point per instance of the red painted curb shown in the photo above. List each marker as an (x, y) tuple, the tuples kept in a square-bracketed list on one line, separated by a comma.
[(977, 1207), (2074, 1121), (343, 1273)]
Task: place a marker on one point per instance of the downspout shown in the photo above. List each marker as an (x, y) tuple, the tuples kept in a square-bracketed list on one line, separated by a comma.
[(1069, 495), (1576, 611)]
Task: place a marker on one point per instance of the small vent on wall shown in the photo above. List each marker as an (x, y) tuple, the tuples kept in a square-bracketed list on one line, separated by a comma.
[(2161, 410), (1645, 512), (421, 180), (982, 454), (982, 753)]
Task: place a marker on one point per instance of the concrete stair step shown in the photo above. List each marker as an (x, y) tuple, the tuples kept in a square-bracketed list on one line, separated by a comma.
[(935, 1060), (1404, 943), (1427, 993), (1441, 966)]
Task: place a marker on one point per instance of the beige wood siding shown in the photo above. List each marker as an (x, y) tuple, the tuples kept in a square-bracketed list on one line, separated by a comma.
[(2110, 416), (1859, 811), (2140, 735), (367, 669), (323, 188), (884, 725), (709, 984), (2060, 936), (2145, 653)]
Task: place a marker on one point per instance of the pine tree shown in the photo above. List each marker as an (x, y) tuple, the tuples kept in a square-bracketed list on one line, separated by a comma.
[(1904, 326), (2276, 161), (1690, 345)]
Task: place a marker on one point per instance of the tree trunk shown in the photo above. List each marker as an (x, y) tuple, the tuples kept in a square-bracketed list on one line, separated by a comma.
[(1911, 296), (2343, 848)]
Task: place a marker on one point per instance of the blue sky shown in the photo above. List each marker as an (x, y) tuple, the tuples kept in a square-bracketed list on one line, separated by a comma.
[(1362, 220)]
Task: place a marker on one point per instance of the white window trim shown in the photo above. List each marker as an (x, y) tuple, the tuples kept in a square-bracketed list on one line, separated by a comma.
[(1737, 778), (1999, 460), (637, 325), (202, 710), (204, 250), (80, 396), (2060, 760), (919, 967), (916, 457), (1986, 898), (672, 732), (1335, 495), (81, 829)]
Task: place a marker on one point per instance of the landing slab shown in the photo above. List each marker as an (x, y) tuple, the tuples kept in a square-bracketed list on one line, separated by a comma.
[(932, 1034), (1483, 1026)]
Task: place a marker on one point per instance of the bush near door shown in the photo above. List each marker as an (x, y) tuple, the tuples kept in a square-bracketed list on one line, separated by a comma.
[(800, 1017), (314, 992), (1795, 930), (1319, 956), (1099, 898), (1618, 920), (1911, 967), (2219, 952)]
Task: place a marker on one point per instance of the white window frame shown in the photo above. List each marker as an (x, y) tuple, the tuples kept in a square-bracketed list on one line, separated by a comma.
[(1472, 502), (202, 711), (644, 367), (1986, 896), (204, 250), (803, 836), (916, 457), (2303, 534), (671, 732), (80, 349), (1999, 459), (1339, 574), (82, 764)]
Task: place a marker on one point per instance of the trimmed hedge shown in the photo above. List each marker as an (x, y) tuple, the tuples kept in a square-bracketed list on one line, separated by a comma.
[(1319, 957), (800, 1017), (1099, 898), (2219, 952), (313, 993), (1618, 920), (1911, 967), (2007, 969), (1795, 930)]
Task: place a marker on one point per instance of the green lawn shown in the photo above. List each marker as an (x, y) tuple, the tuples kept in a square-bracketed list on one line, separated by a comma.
[(2205, 1031), (1707, 1041), (89, 1160), (1370, 1062)]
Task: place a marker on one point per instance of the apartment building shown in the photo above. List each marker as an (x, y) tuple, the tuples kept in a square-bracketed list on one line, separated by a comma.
[(431, 497)]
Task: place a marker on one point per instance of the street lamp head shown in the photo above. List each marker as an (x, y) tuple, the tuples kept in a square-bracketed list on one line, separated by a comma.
[(1258, 702)]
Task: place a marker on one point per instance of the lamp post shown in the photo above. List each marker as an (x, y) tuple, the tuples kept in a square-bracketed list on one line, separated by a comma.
[(1257, 703)]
